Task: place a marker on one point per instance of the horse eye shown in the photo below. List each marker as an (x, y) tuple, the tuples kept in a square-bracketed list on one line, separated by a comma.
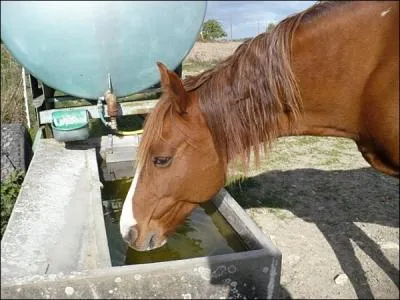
[(162, 161)]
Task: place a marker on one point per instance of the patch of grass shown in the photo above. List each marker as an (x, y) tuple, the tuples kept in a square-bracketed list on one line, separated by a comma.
[(12, 111), (306, 140), (9, 191), (32, 132), (197, 66), (279, 213), (12, 94), (332, 161)]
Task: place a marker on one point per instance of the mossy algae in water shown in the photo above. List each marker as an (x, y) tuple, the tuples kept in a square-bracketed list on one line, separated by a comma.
[(204, 233)]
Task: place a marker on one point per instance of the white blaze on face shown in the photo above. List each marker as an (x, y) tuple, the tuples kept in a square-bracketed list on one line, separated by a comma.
[(127, 219)]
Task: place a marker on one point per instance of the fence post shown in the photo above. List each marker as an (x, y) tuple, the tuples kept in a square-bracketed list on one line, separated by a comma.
[(28, 120)]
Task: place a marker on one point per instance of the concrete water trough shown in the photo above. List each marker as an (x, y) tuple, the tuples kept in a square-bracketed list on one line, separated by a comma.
[(55, 244)]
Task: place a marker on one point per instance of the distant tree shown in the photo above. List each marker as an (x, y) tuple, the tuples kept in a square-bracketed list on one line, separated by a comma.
[(270, 27), (212, 30)]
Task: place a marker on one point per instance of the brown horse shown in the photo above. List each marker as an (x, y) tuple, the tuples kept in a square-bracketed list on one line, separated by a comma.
[(331, 70)]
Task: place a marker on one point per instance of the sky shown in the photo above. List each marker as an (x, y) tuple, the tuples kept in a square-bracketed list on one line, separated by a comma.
[(250, 18)]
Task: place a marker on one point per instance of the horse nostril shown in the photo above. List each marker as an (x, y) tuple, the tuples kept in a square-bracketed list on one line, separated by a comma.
[(152, 241), (132, 234), (129, 235)]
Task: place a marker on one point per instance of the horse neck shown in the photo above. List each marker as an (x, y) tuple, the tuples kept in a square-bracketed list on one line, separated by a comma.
[(328, 61), (333, 57)]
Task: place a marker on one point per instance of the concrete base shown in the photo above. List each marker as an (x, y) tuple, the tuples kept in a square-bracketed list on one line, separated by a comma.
[(55, 244)]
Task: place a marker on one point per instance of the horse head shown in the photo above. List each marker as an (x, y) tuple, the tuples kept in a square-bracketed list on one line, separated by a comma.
[(178, 168)]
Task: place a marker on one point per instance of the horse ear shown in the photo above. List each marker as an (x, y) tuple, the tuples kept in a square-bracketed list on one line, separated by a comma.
[(173, 86)]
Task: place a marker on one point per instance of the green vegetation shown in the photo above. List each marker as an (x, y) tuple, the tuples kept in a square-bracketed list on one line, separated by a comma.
[(9, 192), (270, 26), (211, 30), (12, 111), (12, 94)]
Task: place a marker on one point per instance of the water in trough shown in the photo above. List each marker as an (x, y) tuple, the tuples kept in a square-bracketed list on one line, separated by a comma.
[(204, 233)]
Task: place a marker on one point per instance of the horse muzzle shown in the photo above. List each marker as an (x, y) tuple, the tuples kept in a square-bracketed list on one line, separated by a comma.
[(150, 242)]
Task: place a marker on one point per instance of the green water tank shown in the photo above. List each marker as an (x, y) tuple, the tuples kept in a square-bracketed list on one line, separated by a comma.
[(72, 46)]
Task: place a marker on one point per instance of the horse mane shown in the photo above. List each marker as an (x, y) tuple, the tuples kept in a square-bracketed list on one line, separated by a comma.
[(243, 96)]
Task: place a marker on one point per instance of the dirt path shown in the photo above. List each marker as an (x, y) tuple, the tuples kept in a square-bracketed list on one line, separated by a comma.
[(335, 219)]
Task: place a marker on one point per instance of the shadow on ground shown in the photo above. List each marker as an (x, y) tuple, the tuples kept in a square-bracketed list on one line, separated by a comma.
[(334, 201)]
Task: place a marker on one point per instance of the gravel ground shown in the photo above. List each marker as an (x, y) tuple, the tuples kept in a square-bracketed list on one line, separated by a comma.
[(334, 218)]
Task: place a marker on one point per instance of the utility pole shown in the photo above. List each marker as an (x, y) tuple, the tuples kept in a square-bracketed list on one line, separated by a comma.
[(231, 27)]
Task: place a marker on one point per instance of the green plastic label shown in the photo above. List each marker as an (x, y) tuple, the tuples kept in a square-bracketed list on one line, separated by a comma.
[(70, 120)]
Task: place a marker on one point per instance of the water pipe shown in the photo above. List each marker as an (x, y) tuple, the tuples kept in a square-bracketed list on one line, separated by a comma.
[(112, 111)]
